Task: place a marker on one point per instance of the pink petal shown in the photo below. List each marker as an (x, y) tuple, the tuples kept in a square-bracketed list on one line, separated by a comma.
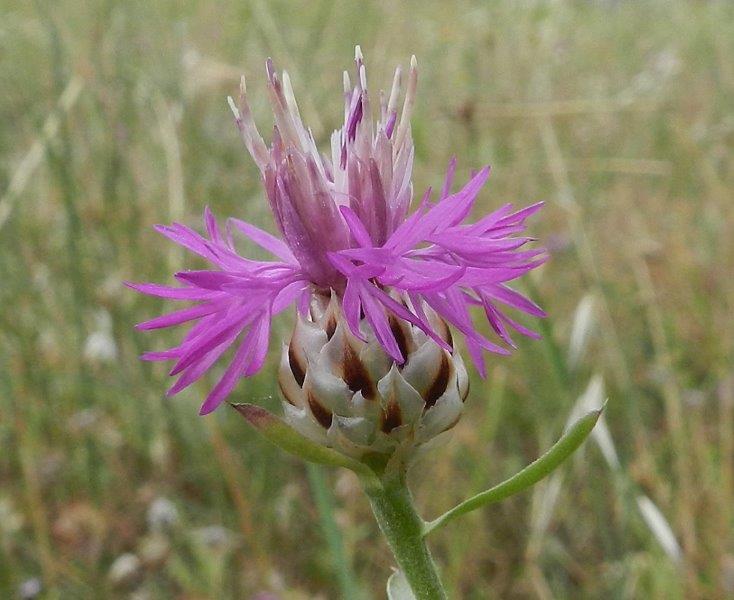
[(234, 371), (265, 240), (380, 325), (351, 305), (179, 316), (172, 293), (356, 228)]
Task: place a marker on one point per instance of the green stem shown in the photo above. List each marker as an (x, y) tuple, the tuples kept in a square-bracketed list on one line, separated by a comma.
[(393, 507)]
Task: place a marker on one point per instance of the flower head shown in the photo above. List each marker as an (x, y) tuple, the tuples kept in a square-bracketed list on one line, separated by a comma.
[(347, 234)]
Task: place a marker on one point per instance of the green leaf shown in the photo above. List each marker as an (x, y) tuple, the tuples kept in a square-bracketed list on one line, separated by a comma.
[(534, 472), (398, 587), (286, 438)]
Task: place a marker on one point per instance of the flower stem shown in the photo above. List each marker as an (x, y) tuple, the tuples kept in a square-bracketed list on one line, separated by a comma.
[(392, 505)]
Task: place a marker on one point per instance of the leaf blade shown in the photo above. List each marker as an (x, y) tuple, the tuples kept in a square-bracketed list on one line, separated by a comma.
[(534, 472)]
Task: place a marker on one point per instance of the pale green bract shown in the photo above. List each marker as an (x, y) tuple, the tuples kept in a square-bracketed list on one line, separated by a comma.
[(398, 587)]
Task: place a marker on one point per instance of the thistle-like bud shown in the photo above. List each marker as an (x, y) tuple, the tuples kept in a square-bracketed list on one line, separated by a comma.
[(350, 395)]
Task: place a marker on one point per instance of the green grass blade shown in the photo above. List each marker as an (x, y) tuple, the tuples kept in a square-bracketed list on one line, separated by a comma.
[(534, 472), (324, 500)]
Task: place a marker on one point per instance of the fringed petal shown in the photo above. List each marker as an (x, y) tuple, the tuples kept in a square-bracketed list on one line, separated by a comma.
[(436, 258)]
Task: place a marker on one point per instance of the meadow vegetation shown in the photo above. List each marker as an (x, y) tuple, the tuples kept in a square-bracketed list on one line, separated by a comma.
[(617, 114)]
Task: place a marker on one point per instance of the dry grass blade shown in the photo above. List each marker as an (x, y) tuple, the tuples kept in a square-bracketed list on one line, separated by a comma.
[(32, 160), (584, 322), (168, 117)]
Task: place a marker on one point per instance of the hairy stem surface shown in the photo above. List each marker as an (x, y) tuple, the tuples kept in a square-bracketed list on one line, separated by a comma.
[(392, 505)]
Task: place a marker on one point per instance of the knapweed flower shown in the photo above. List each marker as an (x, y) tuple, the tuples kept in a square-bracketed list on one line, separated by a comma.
[(378, 288)]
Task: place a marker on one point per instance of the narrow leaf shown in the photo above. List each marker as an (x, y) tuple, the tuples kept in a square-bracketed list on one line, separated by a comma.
[(398, 587), (286, 438), (534, 472)]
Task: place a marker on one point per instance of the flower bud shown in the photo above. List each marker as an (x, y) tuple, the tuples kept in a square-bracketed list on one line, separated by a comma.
[(348, 394)]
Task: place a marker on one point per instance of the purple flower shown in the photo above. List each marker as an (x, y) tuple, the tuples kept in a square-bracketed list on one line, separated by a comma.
[(345, 229)]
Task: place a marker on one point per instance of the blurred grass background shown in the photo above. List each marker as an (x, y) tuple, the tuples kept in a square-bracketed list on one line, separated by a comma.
[(618, 114)]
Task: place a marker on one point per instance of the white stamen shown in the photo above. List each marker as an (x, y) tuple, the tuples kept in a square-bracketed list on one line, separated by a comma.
[(290, 97), (392, 103), (383, 106), (404, 127), (250, 135), (233, 108), (347, 94)]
